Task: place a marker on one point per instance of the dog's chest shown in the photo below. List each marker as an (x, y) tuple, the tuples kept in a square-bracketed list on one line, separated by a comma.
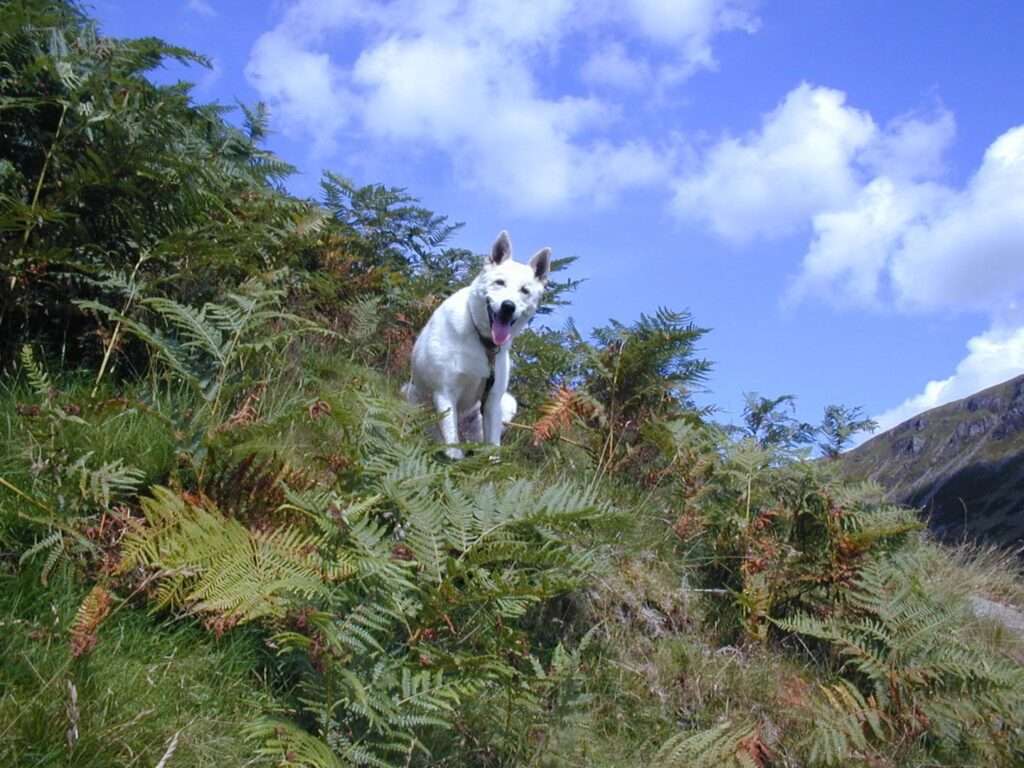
[(467, 359)]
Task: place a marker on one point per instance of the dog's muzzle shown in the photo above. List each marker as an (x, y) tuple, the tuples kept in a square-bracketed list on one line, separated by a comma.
[(505, 314), (501, 321)]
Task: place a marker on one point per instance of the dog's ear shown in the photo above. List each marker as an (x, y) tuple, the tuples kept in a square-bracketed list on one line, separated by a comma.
[(502, 248), (541, 264)]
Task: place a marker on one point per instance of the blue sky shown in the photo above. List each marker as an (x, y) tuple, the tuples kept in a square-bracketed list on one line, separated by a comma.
[(835, 188)]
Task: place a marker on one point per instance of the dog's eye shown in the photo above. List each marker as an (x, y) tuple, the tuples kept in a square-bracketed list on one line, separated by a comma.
[(525, 291), (500, 283)]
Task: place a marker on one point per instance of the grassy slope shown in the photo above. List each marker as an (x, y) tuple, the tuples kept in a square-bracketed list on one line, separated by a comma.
[(663, 663), (152, 679)]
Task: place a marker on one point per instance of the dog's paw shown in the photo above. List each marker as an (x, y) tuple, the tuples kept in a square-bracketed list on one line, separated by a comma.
[(494, 458), (455, 454)]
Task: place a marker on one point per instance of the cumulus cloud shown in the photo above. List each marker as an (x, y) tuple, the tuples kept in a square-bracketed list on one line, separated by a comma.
[(911, 147), (690, 26), (922, 245), (886, 230), (992, 357), (847, 259), (771, 182), (968, 252), (466, 78), (911, 243), (306, 90), (815, 159), (500, 132)]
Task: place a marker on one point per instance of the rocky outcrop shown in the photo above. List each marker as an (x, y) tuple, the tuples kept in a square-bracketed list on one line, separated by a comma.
[(961, 464)]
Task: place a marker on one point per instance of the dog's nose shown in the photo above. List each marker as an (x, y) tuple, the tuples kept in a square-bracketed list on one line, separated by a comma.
[(508, 308)]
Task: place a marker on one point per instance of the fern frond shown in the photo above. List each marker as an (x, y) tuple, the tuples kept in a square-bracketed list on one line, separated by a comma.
[(724, 746), (37, 376), (291, 746), (91, 613), (908, 670), (54, 545), (163, 348), (110, 481), (557, 414), (842, 721), (212, 564), (194, 325)]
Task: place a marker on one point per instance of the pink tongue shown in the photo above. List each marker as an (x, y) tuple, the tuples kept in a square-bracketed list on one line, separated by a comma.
[(500, 332)]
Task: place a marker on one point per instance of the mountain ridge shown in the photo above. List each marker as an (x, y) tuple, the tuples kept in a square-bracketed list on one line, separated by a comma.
[(961, 464)]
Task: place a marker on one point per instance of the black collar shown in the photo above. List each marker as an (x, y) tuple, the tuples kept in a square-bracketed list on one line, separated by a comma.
[(490, 348)]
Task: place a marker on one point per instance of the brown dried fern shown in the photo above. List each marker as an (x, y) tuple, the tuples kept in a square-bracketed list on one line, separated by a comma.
[(91, 613), (561, 410), (247, 413), (254, 488)]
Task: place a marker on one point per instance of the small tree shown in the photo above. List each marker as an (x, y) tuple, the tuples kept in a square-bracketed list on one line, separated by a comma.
[(838, 427)]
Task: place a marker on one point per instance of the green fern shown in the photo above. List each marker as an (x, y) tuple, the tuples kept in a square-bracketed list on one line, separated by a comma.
[(209, 347), (55, 545), (214, 566), (442, 571), (914, 675), (782, 536), (37, 376), (106, 483), (42, 386), (724, 746), (844, 723), (292, 747)]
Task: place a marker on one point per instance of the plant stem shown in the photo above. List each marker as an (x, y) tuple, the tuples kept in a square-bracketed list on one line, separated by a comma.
[(528, 428), (42, 521), (42, 175), (117, 327)]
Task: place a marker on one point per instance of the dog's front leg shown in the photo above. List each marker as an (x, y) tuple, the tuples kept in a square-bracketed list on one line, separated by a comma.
[(492, 408), (449, 425)]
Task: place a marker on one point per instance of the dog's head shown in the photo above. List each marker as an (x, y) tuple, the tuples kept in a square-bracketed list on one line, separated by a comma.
[(510, 291)]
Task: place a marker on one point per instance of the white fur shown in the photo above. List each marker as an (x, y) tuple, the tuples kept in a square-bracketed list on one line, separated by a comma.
[(450, 365)]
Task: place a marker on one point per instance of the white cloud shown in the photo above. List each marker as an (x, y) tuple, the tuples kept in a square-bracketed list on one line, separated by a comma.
[(606, 167), (886, 230), (468, 79), (689, 26), (770, 183), (306, 91), (202, 7), (847, 258), (911, 147), (992, 357), (921, 245), (969, 252), (613, 66), (501, 134)]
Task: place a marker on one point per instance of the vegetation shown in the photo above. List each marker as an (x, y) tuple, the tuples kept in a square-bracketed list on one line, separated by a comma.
[(839, 426), (225, 540)]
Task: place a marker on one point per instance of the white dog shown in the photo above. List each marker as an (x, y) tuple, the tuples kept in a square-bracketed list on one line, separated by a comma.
[(460, 362)]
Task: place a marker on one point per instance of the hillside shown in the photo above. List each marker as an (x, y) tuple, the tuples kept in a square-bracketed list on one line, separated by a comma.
[(961, 463)]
